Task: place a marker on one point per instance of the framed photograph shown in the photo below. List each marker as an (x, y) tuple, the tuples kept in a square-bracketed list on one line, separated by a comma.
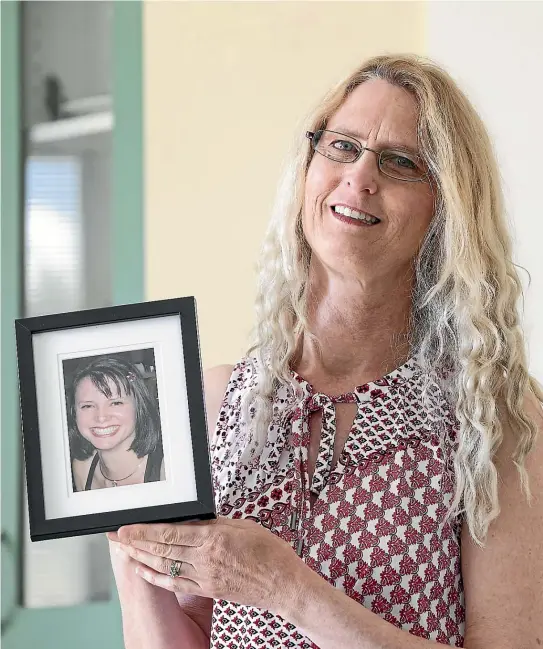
[(113, 417)]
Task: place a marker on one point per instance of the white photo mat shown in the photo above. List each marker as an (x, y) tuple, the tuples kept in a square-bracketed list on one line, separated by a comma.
[(51, 348)]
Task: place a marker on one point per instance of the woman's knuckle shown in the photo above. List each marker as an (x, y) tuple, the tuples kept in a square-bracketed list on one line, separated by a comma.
[(170, 535), (137, 534), (162, 549)]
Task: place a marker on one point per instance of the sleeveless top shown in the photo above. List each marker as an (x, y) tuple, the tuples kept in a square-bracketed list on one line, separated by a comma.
[(377, 528), (152, 469)]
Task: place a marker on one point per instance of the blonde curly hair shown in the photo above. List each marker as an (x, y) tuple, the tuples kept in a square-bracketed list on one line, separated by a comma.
[(464, 317)]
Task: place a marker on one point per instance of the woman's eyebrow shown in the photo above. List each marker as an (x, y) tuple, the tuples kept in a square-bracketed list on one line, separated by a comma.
[(117, 398), (390, 144)]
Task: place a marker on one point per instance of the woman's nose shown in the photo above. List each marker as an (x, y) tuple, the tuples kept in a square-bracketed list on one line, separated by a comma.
[(363, 174), (101, 415)]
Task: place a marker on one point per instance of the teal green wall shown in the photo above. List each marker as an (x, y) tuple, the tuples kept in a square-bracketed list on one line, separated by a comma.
[(128, 226), (10, 278), (86, 626)]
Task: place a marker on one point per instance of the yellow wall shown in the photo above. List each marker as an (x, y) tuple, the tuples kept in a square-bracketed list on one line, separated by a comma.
[(225, 85)]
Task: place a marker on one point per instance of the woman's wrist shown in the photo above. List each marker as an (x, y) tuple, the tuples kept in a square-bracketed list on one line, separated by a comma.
[(297, 584)]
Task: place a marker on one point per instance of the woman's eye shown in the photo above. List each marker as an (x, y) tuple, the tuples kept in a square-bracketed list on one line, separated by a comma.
[(343, 145), (404, 162), (85, 406), (116, 403)]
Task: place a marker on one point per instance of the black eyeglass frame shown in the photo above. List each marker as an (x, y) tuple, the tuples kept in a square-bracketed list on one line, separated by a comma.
[(310, 135)]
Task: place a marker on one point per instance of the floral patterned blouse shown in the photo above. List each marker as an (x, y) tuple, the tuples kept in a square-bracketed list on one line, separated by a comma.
[(376, 529)]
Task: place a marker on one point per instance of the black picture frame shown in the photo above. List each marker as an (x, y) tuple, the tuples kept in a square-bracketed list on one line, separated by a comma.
[(87, 322)]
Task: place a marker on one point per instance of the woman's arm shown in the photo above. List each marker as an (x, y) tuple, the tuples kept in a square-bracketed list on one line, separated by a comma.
[(503, 582), (154, 618)]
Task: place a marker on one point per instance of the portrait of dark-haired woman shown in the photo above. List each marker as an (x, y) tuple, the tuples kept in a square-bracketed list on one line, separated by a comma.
[(113, 426)]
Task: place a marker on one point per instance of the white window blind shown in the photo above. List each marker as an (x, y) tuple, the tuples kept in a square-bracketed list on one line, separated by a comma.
[(54, 253)]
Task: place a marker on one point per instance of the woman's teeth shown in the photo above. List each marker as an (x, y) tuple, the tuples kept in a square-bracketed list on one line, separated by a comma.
[(355, 214), (105, 431)]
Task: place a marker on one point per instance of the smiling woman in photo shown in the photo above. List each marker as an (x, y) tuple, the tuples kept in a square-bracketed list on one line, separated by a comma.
[(114, 427)]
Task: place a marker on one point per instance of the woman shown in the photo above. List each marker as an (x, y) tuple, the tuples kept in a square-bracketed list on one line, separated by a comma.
[(114, 427), (382, 429)]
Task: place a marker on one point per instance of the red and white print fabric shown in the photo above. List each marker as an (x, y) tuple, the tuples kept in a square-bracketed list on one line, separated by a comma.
[(376, 529)]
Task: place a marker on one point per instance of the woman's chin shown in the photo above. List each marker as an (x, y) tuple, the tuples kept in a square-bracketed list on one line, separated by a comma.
[(105, 445)]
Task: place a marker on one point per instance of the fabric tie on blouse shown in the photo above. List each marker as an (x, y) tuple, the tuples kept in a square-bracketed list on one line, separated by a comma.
[(313, 402), (323, 464)]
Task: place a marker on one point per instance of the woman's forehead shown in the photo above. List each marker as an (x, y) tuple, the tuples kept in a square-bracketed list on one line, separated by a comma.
[(378, 112), (87, 386)]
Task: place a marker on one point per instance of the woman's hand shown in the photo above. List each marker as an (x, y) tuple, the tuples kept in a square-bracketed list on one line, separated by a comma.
[(236, 560)]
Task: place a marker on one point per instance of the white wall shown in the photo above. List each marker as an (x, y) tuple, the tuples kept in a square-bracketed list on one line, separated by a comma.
[(495, 51), (221, 74)]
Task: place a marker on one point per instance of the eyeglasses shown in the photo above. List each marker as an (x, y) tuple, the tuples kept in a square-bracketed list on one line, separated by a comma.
[(344, 148)]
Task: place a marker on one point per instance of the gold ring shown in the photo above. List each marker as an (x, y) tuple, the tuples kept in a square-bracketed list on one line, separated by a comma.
[(175, 569)]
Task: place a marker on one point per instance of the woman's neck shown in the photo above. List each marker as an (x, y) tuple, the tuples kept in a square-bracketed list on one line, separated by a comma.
[(362, 332), (119, 462)]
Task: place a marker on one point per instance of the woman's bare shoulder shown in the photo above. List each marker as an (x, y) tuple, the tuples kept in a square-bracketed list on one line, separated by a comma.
[(215, 383), (81, 470), (217, 376)]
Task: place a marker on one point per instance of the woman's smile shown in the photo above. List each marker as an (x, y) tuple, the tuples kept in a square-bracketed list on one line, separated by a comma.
[(353, 217), (104, 432)]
